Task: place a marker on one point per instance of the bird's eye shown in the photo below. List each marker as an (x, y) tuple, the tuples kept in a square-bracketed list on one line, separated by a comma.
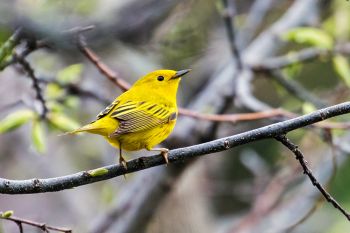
[(160, 78)]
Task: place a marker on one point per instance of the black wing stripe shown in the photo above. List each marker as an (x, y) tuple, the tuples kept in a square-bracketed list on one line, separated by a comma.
[(163, 113), (158, 110), (150, 108), (107, 110), (119, 111)]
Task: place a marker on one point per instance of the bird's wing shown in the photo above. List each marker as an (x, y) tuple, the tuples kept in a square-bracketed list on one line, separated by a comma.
[(139, 116)]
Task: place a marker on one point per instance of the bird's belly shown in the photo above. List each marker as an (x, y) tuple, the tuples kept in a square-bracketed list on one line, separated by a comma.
[(146, 139)]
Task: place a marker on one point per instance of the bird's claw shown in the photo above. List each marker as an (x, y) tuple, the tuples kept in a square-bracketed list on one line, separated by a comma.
[(122, 162), (165, 153)]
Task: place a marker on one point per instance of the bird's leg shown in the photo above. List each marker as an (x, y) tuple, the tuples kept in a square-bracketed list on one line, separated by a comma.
[(163, 151), (122, 161)]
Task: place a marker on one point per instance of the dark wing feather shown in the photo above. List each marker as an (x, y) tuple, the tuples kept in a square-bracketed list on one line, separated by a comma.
[(107, 110)]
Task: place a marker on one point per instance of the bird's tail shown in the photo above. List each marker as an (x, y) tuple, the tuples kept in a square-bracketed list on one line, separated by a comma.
[(89, 128)]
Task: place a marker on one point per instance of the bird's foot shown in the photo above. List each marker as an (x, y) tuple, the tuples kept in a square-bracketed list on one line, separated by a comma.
[(163, 152), (122, 162)]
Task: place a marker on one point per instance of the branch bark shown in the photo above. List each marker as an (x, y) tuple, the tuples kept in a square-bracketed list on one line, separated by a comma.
[(86, 177)]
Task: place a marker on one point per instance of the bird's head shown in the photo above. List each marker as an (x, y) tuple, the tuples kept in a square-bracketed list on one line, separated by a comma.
[(161, 80)]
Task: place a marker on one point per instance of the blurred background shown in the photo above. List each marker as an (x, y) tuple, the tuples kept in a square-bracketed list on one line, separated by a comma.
[(258, 187)]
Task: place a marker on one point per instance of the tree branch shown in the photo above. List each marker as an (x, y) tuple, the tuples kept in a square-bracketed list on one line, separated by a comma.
[(30, 47), (74, 89), (300, 157), (104, 69), (302, 56), (42, 226), (229, 17), (30, 72), (176, 155), (296, 89)]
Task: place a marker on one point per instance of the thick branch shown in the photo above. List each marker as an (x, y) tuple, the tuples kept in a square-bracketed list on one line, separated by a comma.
[(108, 172)]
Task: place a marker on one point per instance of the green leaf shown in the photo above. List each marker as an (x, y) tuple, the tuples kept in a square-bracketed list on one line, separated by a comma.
[(342, 68), (38, 136), (8, 46), (98, 172), (310, 36), (63, 122), (55, 106), (7, 214), (329, 26), (72, 102), (54, 91), (341, 17), (15, 120), (308, 108), (70, 74)]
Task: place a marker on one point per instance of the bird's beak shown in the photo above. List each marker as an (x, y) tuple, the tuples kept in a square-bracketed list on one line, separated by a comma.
[(180, 73)]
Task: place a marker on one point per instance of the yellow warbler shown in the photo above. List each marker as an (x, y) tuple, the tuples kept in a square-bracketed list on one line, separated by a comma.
[(141, 117)]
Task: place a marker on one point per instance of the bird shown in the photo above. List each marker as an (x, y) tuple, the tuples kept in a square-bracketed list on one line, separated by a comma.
[(142, 117)]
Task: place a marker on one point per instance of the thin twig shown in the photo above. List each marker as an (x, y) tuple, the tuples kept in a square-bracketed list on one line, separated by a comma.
[(302, 56), (229, 17), (300, 157), (268, 114), (238, 116), (33, 45), (78, 30), (28, 49), (76, 90), (296, 89), (20, 226), (328, 138), (30, 72), (42, 226), (176, 155), (104, 69)]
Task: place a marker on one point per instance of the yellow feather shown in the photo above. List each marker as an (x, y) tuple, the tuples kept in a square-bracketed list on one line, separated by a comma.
[(141, 117)]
